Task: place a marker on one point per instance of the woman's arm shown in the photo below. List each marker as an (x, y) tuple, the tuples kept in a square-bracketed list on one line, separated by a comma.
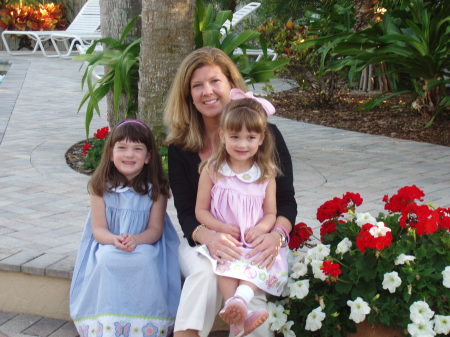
[(154, 226), (203, 205)]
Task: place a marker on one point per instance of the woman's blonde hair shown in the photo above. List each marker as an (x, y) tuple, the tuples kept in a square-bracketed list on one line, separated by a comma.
[(248, 113), (186, 128), (106, 177)]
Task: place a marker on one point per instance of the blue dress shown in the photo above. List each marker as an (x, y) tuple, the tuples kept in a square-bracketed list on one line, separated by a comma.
[(117, 293)]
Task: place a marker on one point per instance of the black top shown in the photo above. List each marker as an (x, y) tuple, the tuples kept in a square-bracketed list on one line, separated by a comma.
[(184, 176)]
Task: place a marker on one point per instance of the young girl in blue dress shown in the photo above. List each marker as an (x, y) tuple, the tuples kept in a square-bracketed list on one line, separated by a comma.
[(126, 280)]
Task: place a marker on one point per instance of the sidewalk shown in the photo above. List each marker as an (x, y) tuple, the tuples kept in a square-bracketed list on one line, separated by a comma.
[(43, 202)]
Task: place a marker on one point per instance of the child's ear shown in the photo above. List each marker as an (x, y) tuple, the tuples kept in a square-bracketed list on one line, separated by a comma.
[(147, 158), (261, 140)]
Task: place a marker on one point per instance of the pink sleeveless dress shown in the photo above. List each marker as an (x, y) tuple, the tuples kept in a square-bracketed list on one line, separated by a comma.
[(238, 199)]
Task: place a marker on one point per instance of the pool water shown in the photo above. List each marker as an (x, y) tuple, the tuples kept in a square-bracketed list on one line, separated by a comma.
[(4, 66)]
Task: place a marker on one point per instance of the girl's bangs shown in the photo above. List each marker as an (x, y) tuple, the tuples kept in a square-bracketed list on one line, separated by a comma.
[(250, 119)]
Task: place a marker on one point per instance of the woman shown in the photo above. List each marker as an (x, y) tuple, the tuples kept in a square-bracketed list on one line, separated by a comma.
[(200, 91)]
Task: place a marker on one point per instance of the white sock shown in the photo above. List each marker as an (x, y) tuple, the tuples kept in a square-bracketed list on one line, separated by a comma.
[(246, 292)]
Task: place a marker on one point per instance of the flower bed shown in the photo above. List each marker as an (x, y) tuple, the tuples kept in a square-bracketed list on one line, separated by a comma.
[(393, 270)]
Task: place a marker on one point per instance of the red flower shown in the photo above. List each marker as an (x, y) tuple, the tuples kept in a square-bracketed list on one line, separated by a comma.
[(351, 200), (331, 269), (404, 196), (444, 218), (331, 209), (420, 217), (328, 227), (365, 239), (102, 133), (85, 149), (300, 234)]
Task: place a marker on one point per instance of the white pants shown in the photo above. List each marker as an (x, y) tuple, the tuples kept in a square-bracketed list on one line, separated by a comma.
[(200, 297)]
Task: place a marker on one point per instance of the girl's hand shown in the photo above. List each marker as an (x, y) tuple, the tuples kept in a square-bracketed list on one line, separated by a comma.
[(118, 242), (222, 246), (234, 231), (253, 233), (130, 242), (265, 249)]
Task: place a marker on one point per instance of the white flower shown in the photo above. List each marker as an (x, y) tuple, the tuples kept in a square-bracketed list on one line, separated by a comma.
[(286, 329), (318, 252), (343, 246), (423, 329), (446, 276), (346, 216), (358, 310), (299, 269), (318, 273), (442, 324), (277, 317), (314, 319), (363, 218), (402, 259), (299, 289), (286, 290), (420, 312), (391, 281), (379, 230)]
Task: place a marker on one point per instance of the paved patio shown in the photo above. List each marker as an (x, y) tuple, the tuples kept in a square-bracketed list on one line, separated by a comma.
[(43, 202)]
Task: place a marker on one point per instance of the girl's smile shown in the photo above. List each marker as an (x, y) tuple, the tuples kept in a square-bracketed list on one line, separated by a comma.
[(129, 158)]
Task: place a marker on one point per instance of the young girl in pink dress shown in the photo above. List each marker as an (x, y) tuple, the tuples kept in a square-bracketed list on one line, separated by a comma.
[(236, 195)]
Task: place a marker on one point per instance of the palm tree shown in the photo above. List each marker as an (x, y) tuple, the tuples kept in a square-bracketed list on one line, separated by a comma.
[(167, 37)]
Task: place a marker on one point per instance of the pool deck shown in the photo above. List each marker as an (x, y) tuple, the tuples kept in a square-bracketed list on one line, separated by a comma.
[(43, 202)]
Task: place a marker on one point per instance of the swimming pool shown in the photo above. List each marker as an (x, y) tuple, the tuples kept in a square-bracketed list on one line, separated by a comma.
[(4, 66)]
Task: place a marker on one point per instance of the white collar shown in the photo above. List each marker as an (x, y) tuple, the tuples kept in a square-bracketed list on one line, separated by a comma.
[(120, 189), (250, 176)]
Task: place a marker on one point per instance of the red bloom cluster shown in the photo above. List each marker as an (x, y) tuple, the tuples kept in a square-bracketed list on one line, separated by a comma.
[(444, 217), (420, 217), (102, 133), (331, 269), (405, 195), (329, 212), (300, 234), (85, 149), (332, 209), (365, 239)]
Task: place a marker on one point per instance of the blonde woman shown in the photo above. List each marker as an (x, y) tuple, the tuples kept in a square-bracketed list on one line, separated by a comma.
[(199, 93)]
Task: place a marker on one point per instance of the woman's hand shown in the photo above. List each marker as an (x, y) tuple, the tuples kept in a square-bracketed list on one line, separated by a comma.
[(221, 246), (265, 249)]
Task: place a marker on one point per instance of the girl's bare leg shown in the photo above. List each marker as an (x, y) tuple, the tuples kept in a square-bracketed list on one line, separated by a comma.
[(227, 286), (186, 333)]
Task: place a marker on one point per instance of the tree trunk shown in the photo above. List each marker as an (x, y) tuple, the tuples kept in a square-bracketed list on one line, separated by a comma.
[(364, 13), (115, 15), (167, 37)]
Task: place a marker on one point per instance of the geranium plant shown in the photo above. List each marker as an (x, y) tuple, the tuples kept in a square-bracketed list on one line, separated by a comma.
[(393, 270), (93, 148)]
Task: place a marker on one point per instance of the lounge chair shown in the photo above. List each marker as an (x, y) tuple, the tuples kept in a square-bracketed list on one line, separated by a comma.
[(238, 16), (84, 28)]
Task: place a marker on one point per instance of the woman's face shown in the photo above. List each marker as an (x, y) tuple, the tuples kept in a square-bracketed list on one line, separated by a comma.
[(210, 90)]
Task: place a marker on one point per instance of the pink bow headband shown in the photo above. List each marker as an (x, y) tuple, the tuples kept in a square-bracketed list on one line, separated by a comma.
[(239, 94)]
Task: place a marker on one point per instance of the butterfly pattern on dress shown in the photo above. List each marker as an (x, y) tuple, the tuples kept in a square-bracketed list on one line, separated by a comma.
[(84, 331), (122, 329)]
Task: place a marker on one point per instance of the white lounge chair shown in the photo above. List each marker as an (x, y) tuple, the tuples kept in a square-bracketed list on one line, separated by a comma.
[(85, 27), (238, 16)]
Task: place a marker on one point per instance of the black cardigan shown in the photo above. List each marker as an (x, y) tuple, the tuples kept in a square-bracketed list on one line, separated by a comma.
[(184, 176)]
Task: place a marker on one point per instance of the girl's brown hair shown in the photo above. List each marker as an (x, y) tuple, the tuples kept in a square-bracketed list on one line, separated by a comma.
[(248, 113), (106, 177), (186, 128)]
